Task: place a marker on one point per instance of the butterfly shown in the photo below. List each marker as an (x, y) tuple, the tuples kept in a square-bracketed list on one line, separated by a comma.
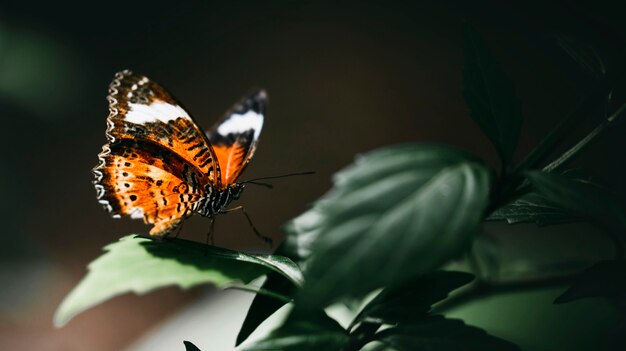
[(158, 165)]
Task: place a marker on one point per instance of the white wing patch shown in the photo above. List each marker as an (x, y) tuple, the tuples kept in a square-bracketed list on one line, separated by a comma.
[(241, 123), (157, 111), (136, 213)]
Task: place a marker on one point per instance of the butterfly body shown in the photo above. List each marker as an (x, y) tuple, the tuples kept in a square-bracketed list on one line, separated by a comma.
[(159, 166)]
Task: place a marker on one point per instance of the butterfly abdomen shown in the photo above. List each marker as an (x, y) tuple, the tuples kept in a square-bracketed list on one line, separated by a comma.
[(218, 200)]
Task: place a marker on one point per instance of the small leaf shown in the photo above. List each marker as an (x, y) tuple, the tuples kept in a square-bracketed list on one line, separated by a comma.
[(140, 265), (534, 207), (264, 306), (582, 199), (585, 55), (305, 332), (603, 279), (396, 213), (413, 300), (490, 97), (190, 347), (440, 334)]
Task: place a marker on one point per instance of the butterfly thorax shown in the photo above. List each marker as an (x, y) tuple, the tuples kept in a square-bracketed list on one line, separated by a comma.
[(218, 200)]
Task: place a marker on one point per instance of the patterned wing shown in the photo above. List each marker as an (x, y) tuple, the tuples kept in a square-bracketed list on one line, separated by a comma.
[(144, 180), (235, 136), (140, 109)]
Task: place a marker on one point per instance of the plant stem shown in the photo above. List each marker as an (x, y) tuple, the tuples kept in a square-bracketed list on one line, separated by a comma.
[(584, 143)]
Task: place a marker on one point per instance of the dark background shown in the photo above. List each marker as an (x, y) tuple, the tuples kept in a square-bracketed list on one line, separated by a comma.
[(344, 77)]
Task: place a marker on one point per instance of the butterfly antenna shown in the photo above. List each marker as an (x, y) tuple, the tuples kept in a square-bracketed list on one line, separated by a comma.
[(267, 185), (254, 181)]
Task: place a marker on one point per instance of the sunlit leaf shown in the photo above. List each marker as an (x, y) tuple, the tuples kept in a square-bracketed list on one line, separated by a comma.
[(394, 214), (490, 97), (440, 334), (411, 301), (603, 279), (139, 265), (310, 332)]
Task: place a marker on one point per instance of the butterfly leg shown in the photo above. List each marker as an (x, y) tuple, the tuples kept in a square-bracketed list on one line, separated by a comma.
[(266, 239), (209, 235)]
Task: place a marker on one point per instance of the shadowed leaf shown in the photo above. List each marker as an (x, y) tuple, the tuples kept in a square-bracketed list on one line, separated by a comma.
[(413, 300), (536, 208), (394, 214), (490, 97), (139, 265), (264, 306), (603, 279), (583, 199), (440, 334), (308, 332)]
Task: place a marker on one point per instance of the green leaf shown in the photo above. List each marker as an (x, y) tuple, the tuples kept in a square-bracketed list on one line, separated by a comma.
[(582, 199), (190, 347), (394, 214), (603, 279), (305, 332), (533, 208), (139, 265), (411, 301), (264, 306), (536, 208), (490, 97), (440, 334)]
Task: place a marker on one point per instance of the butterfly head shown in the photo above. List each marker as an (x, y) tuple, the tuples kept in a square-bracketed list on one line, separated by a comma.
[(235, 190)]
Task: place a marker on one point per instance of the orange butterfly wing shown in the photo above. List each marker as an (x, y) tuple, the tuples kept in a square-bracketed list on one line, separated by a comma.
[(158, 164), (235, 136)]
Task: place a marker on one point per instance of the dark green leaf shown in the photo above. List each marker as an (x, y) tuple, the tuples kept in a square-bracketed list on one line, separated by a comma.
[(411, 301), (190, 347), (534, 207), (396, 213), (305, 332), (264, 306), (585, 55), (490, 97), (603, 279), (440, 334), (139, 265), (582, 199)]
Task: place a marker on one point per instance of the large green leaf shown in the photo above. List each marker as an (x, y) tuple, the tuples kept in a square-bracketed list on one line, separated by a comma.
[(490, 97), (264, 306), (394, 214), (139, 265), (582, 199), (411, 301), (305, 332), (440, 334), (603, 279)]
